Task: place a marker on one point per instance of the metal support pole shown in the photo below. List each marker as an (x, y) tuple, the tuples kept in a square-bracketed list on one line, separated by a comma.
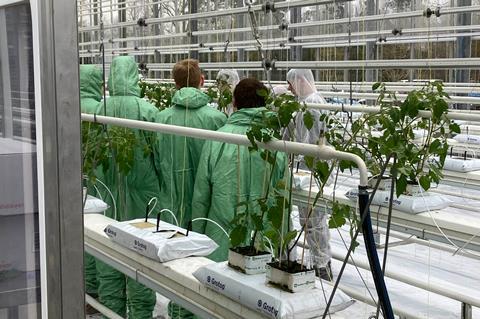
[(193, 28), (295, 51), (466, 311), (370, 48), (463, 46)]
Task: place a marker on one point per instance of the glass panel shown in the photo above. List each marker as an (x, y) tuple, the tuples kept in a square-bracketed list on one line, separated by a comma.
[(19, 237)]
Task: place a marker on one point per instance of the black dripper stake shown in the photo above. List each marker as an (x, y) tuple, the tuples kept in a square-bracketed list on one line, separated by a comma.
[(146, 212), (158, 220), (189, 227)]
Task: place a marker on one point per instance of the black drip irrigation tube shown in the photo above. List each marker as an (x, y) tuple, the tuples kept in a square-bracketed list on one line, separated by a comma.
[(370, 247)]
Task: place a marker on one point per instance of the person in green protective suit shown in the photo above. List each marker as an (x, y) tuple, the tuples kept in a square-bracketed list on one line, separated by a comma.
[(91, 81), (133, 191), (229, 174), (179, 156)]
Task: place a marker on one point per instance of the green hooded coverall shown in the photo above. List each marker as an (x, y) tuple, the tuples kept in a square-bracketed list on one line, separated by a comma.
[(227, 175), (131, 192), (179, 157), (91, 80)]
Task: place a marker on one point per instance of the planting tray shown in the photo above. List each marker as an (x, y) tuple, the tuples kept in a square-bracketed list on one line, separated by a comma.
[(252, 292)]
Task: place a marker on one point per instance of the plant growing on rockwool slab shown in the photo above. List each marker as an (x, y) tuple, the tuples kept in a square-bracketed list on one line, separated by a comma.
[(418, 162), (277, 207)]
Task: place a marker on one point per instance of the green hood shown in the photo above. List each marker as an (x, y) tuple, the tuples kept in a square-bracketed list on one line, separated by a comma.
[(91, 80), (123, 80), (190, 97), (244, 117)]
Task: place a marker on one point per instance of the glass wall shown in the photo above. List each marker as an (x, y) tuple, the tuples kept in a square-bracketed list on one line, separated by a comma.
[(19, 234)]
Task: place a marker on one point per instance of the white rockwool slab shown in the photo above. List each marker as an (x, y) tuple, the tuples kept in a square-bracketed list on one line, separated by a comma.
[(169, 242), (252, 292)]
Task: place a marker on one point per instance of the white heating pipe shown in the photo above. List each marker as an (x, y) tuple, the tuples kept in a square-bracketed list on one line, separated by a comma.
[(289, 4), (450, 63), (318, 37), (220, 13), (251, 44), (428, 243), (322, 151), (375, 109), (374, 96)]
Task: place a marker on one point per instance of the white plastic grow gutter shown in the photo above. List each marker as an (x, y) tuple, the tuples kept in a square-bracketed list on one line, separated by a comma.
[(428, 286), (321, 152)]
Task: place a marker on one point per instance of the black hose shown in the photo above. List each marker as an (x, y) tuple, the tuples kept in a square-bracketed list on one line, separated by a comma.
[(383, 298)]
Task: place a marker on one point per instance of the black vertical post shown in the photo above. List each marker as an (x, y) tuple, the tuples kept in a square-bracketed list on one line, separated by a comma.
[(370, 47), (463, 46), (371, 249), (193, 28), (295, 51)]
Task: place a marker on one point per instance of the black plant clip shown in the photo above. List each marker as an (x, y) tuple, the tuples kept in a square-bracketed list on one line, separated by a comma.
[(211, 48), (268, 6), (397, 31), (429, 12), (283, 26), (269, 64), (147, 209), (158, 220), (201, 45), (382, 39), (142, 22), (136, 48), (143, 67)]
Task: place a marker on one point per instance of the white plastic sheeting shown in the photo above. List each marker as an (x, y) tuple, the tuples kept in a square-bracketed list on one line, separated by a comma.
[(94, 205)]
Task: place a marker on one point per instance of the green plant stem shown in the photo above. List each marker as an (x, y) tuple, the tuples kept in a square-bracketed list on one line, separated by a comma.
[(252, 243)]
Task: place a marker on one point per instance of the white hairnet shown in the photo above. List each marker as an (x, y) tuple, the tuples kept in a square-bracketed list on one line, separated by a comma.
[(280, 89), (302, 82), (228, 76)]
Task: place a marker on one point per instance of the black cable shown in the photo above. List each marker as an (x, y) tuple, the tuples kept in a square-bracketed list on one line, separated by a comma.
[(363, 215), (389, 222)]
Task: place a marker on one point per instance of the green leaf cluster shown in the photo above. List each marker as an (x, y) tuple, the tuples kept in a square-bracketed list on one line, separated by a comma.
[(159, 94)]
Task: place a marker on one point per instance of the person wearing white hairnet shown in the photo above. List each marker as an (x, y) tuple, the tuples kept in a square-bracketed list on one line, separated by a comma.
[(227, 80), (302, 84)]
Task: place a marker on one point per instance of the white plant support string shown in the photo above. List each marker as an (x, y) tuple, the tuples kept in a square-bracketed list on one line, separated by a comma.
[(111, 196)]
